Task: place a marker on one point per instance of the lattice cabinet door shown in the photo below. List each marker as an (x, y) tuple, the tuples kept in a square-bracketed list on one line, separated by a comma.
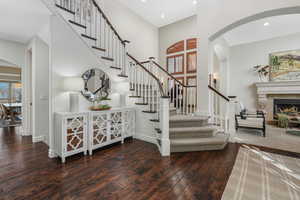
[(129, 123), (99, 131), (75, 133), (116, 126)]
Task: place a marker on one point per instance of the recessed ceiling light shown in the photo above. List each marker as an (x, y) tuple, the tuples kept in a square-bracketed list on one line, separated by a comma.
[(143, 1), (267, 24), (162, 15), (195, 2)]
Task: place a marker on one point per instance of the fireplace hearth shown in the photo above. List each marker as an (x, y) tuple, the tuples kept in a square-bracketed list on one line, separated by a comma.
[(290, 107)]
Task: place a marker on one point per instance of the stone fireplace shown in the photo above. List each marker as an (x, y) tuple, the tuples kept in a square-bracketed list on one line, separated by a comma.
[(270, 93)]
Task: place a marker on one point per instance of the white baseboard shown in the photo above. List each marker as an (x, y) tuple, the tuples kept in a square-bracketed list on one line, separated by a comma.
[(38, 139), (145, 137), (51, 154)]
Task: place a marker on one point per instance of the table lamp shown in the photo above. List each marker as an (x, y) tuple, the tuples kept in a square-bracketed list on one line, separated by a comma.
[(73, 85)]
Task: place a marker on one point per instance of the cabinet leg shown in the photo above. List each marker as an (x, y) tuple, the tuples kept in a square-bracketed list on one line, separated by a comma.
[(122, 141), (90, 152), (63, 159), (85, 153)]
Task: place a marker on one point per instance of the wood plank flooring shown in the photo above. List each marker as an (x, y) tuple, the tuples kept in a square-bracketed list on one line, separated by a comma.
[(133, 171)]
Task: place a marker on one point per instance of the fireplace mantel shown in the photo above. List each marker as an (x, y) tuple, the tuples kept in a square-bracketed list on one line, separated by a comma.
[(273, 88)]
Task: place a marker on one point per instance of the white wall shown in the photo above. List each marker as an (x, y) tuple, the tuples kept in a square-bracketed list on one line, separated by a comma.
[(12, 52), (170, 34), (244, 57), (142, 35), (44, 33), (214, 15), (70, 58), (40, 90)]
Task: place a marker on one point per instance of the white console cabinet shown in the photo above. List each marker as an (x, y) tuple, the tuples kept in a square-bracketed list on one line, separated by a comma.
[(87, 131)]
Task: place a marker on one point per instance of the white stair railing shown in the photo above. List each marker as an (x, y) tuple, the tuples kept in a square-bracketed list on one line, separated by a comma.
[(219, 108), (146, 86), (182, 97)]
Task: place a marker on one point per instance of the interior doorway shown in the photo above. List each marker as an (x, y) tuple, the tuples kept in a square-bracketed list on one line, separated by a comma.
[(10, 95)]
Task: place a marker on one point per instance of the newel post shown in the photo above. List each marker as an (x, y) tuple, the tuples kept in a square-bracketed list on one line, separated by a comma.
[(164, 126)]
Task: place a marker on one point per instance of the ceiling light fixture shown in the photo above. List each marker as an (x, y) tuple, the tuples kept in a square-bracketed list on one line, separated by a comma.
[(195, 2), (162, 15), (144, 1), (267, 24)]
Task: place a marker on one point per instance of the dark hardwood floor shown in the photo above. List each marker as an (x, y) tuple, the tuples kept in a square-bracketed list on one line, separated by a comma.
[(132, 171)]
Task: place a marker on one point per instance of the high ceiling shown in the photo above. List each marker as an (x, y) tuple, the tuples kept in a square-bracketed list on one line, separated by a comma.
[(162, 12), (22, 19), (264, 29)]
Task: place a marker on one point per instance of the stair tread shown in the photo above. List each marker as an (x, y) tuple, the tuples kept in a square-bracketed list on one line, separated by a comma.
[(123, 76), (148, 111), (98, 48), (141, 104), (117, 68), (183, 118), (77, 24), (135, 96), (65, 9), (107, 58), (216, 140), (193, 129), (88, 37)]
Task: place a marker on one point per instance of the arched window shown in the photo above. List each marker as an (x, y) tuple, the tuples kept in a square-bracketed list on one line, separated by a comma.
[(182, 61)]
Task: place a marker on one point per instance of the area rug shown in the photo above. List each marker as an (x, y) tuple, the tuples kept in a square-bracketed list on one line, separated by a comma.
[(258, 175)]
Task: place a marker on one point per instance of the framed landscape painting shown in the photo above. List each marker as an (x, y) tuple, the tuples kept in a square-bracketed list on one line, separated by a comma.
[(285, 66)]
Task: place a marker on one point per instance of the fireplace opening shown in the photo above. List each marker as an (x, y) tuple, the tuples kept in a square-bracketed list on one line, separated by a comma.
[(289, 107)]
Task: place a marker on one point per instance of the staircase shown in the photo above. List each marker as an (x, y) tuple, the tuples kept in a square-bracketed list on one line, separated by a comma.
[(171, 104), (186, 130), (192, 133)]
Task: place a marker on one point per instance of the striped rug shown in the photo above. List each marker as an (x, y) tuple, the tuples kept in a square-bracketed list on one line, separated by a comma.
[(258, 175)]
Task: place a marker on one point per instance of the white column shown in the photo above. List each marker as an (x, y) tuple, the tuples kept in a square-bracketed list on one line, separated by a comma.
[(203, 71), (164, 126)]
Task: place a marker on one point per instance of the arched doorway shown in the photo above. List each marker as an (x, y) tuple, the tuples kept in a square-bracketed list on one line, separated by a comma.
[(244, 56)]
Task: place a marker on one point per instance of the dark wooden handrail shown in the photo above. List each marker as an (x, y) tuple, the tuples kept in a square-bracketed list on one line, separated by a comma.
[(219, 93), (170, 75), (151, 74), (108, 22)]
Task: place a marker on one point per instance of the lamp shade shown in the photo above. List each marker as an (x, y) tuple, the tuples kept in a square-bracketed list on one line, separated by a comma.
[(73, 84)]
